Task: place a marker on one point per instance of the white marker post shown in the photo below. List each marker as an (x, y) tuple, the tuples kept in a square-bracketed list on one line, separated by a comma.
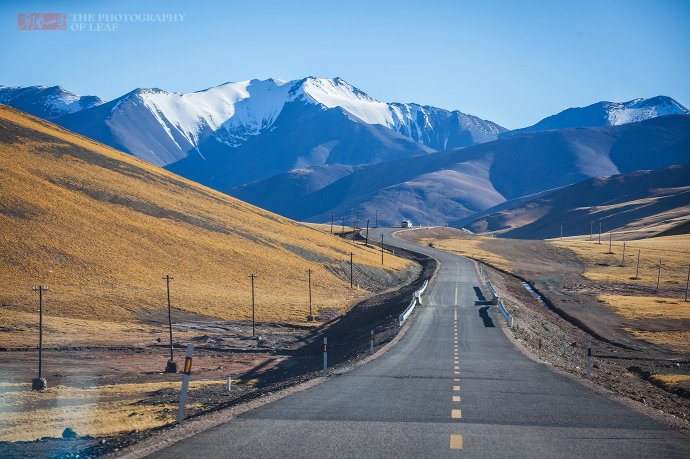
[(325, 356), (185, 382), (589, 360), (371, 350), (229, 383)]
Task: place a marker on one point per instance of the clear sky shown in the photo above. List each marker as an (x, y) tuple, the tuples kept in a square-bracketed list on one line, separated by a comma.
[(512, 62)]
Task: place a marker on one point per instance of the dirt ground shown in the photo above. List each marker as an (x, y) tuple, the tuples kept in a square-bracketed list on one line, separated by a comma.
[(279, 356)]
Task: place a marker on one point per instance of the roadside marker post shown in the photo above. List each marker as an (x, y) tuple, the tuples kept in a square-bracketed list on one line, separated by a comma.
[(229, 383), (589, 360), (185, 382), (325, 355), (371, 350)]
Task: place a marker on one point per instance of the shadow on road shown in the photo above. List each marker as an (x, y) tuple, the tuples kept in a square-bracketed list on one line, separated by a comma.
[(480, 295), (484, 314)]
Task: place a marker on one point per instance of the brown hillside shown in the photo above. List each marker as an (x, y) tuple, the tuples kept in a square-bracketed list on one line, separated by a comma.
[(100, 228)]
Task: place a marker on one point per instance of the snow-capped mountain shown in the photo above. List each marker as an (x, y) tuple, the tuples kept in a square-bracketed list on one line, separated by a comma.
[(608, 114), (46, 102), (434, 127), (235, 133)]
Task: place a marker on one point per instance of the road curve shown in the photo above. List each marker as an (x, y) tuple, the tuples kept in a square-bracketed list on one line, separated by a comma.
[(453, 386)]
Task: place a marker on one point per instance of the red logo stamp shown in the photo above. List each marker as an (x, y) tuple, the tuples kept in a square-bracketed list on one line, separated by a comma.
[(41, 21)]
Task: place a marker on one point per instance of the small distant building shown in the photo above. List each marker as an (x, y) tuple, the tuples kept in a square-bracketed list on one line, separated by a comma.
[(406, 224)]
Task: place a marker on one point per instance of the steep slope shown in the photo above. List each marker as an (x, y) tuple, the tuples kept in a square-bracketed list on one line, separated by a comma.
[(608, 114), (101, 227), (658, 198), (46, 102), (447, 187), (211, 135)]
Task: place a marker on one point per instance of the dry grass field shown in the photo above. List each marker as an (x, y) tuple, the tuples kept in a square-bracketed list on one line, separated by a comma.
[(604, 265), (94, 410), (100, 227)]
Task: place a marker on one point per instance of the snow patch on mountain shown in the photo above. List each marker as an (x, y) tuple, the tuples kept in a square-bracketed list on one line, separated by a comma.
[(643, 109)]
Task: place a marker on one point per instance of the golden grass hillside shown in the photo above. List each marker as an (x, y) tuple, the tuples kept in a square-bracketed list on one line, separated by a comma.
[(101, 227)]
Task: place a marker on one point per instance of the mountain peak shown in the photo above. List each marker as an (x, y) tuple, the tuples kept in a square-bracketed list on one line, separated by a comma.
[(606, 113), (47, 102)]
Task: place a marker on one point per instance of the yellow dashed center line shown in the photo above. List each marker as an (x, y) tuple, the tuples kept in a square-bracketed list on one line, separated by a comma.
[(456, 414), (455, 441), (456, 398), (456, 388)]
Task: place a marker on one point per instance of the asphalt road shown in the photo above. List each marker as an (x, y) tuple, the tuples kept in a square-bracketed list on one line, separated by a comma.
[(453, 385)]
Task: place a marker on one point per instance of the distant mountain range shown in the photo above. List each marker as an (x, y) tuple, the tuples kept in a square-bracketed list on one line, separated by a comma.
[(646, 200), (46, 102), (311, 147), (446, 187), (239, 132), (236, 133), (607, 114)]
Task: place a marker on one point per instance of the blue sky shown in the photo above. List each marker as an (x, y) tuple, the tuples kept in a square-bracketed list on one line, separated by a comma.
[(513, 62)]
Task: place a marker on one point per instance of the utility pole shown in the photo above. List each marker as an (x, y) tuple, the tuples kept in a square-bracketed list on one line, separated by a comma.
[(351, 270), (356, 219), (332, 223), (377, 218), (610, 251), (382, 250), (253, 328), (309, 273), (658, 277), (343, 232), (366, 238), (40, 383), (637, 272), (561, 232), (599, 233), (427, 222), (623, 262), (171, 367), (354, 230)]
